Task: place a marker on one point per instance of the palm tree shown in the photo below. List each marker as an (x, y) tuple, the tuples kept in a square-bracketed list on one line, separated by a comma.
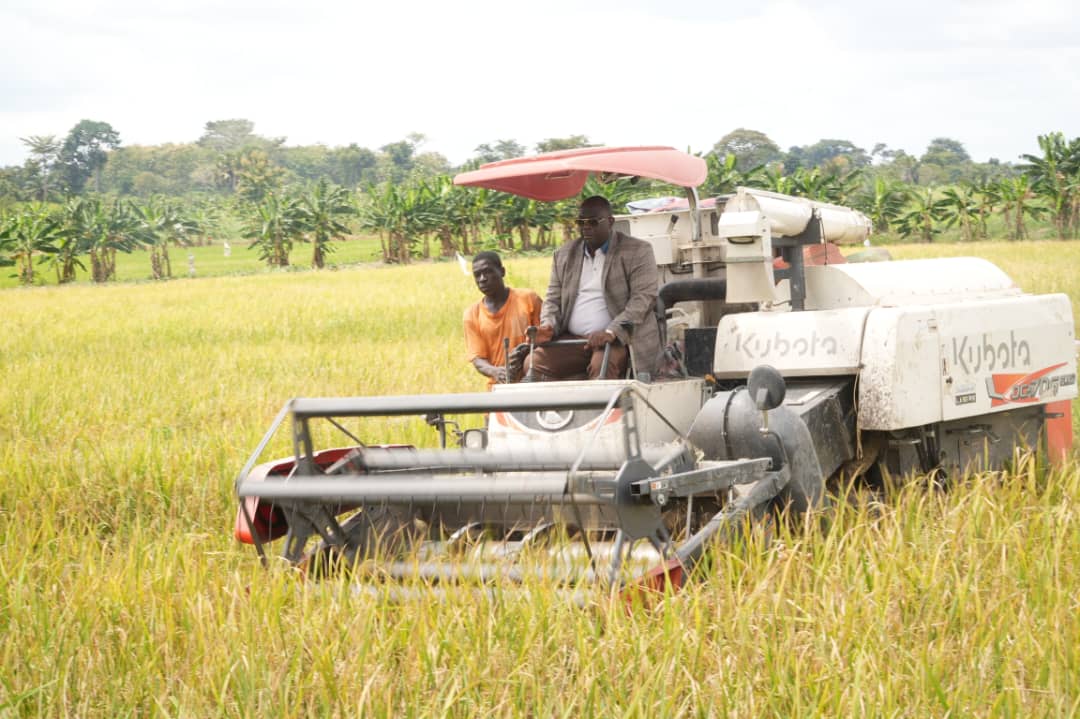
[(450, 209), (812, 184), (497, 219), (6, 224), (723, 175), (883, 202), (26, 234), (123, 233), (922, 214), (79, 220), (152, 217), (206, 215), (86, 222), (1017, 200), (1056, 178), (520, 215), (1073, 186), (773, 179), (380, 212), (320, 211), (547, 217), (824, 186), (843, 186), (478, 209), (47, 150), (987, 197), (959, 207), (566, 212), (161, 224), (276, 224), (400, 214), (421, 215)]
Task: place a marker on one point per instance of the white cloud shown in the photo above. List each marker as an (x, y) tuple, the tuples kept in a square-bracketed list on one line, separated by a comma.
[(639, 71)]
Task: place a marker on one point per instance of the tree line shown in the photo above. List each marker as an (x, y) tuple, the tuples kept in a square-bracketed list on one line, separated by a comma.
[(86, 233), (91, 158), (1045, 186), (72, 210)]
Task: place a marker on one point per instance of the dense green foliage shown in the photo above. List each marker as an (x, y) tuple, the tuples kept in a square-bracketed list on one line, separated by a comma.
[(96, 198)]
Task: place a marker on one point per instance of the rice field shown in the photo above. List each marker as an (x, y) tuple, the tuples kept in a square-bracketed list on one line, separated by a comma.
[(126, 411)]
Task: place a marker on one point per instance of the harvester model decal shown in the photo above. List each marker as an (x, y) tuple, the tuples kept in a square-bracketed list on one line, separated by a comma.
[(1026, 388)]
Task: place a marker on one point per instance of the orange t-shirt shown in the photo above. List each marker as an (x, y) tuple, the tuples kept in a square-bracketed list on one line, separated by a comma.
[(484, 331)]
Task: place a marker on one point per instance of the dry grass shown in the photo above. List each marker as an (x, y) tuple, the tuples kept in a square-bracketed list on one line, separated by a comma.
[(127, 411)]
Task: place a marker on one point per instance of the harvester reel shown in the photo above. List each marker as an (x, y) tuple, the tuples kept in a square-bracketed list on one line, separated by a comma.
[(469, 514)]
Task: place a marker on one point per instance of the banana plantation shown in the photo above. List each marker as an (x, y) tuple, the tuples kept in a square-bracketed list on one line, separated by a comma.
[(425, 215)]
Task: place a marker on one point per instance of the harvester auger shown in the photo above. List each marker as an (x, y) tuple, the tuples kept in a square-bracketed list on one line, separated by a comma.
[(793, 368)]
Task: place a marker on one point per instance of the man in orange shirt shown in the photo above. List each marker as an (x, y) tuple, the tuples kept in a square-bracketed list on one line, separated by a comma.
[(502, 313)]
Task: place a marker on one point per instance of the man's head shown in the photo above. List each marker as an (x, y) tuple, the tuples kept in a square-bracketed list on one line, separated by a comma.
[(488, 272), (595, 221)]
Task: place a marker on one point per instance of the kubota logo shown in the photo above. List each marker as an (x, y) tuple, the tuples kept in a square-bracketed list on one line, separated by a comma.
[(755, 346), (973, 353), (1026, 388)]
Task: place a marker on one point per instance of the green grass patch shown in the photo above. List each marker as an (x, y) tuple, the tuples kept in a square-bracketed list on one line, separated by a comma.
[(212, 261)]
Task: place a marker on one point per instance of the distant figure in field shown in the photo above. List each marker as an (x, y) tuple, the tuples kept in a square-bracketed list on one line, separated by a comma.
[(228, 249), (602, 290), (502, 313)]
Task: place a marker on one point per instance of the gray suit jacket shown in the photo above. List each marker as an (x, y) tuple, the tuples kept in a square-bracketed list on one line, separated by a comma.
[(630, 286)]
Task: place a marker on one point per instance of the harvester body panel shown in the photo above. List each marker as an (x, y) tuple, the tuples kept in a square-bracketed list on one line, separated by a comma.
[(799, 344), (934, 363)]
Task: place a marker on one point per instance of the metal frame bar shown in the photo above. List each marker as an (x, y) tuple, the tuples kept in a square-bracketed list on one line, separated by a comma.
[(715, 476), (420, 487)]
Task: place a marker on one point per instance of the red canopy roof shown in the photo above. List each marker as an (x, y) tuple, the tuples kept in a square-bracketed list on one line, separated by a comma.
[(558, 175)]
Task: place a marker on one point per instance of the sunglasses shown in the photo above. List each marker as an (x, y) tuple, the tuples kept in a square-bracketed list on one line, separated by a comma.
[(590, 221)]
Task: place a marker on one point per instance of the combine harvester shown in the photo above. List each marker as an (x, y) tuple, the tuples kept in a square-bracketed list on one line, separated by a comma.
[(789, 374)]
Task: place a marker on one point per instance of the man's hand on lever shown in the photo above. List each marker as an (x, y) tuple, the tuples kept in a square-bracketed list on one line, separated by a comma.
[(517, 359), (597, 340)]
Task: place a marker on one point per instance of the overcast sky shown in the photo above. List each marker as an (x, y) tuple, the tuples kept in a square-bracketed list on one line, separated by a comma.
[(990, 74)]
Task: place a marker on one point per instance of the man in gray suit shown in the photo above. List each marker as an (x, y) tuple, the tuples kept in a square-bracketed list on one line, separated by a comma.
[(602, 290)]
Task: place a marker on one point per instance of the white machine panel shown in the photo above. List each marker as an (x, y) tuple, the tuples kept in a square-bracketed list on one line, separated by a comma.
[(663, 230), (749, 256), (900, 382), (799, 344), (905, 282), (1001, 355), (935, 363)]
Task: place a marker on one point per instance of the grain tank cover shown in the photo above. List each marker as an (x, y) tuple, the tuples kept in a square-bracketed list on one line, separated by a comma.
[(788, 216), (906, 282)]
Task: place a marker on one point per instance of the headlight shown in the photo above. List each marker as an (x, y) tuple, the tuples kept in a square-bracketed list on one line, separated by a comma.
[(474, 439)]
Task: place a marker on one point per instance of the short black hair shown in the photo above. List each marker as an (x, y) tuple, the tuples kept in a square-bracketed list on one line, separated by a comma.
[(599, 202), (489, 255)]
